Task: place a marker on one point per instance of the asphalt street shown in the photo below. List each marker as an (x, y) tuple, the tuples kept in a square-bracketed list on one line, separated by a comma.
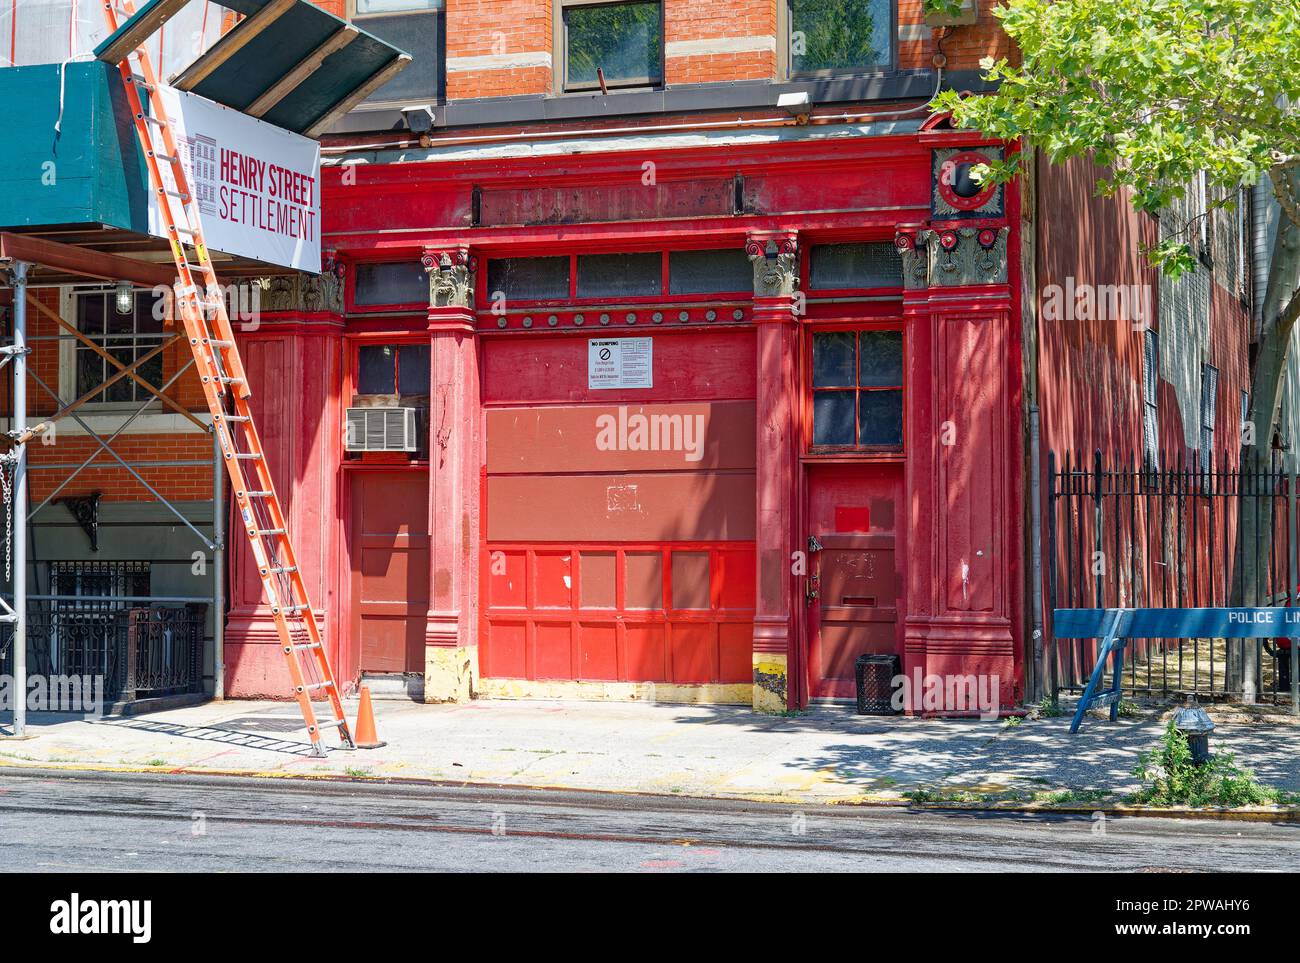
[(90, 822)]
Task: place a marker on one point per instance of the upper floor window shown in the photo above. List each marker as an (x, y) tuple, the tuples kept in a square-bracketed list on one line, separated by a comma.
[(127, 330), (608, 45), (840, 36), (416, 27)]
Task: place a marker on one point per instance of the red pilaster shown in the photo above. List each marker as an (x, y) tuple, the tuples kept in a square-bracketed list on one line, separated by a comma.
[(962, 445), (775, 260), (451, 656), (293, 359)]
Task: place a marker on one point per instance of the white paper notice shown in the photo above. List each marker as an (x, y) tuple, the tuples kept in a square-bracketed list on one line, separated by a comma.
[(620, 363)]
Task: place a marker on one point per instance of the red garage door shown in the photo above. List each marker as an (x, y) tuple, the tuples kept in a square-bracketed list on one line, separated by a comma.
[(620, 523)]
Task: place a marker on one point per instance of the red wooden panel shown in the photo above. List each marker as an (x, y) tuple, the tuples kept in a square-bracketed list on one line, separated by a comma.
[(598, 651), (644, 652), (553, 580), (573, 204), (690, 580), (735, 652), (694, 651), (506, 581), (390, 576), (598, 572), (503, 652), (852, 518), (674, 506), (552, 651), (603, 438), (691, 365), (644, 575), (419, 207), (894, 183), (736, 578)]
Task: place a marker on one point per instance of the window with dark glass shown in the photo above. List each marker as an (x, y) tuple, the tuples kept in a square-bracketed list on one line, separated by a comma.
[(1209, 412), (124, 335), (393, 369), (390, 282), (619, 43), (701, 272), (528, 278), (840, 36), (619, 275), (837, 266), (416, 27), (858, 389), (1150, 400)]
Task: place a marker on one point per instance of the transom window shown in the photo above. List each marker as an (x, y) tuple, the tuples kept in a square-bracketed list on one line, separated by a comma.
[(857, 389), (651, 274), (390, 283), (417, 27), (840, 36), (620, 44), (393, 369), (126, 335)]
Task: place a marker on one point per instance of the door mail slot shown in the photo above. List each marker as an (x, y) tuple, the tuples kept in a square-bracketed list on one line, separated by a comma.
[(858, 600)]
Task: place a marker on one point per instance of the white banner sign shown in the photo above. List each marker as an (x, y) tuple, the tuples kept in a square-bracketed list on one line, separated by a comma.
[(620, 363), (257, 186)]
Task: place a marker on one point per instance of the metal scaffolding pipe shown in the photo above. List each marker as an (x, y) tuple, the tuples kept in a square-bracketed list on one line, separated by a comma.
[(218, 571), (19, 508)]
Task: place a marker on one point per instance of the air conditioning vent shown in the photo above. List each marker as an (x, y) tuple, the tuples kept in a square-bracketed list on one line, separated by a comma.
[(380, 429)]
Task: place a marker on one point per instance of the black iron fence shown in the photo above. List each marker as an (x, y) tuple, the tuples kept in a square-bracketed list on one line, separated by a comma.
[(1123, 535), (139, 652)]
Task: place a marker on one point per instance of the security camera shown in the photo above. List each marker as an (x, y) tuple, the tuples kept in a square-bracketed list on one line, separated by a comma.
[(797, 105), (419, 118)]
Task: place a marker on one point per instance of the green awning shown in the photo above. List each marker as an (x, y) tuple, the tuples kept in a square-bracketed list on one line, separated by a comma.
[(288, 62)]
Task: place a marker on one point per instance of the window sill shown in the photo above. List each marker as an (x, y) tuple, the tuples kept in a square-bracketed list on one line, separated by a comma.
[(883, 455), (104, 420)]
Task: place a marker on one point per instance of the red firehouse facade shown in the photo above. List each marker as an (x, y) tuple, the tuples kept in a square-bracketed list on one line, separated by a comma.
[(688, 407), (661, 351)]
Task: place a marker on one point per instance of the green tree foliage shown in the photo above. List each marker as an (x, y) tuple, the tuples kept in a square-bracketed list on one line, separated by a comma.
[(1156, 91)]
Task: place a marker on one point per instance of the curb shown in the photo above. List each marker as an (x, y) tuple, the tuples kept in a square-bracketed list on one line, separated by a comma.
[(1255, 814), (1115, 810)]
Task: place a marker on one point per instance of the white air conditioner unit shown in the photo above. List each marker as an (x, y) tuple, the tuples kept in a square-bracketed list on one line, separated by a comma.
[(380, 429)]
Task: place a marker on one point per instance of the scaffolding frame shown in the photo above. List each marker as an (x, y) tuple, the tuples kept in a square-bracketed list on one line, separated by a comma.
[(15, 354)]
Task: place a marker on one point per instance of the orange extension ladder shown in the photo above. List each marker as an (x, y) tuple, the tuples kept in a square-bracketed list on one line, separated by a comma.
[(225, 385)]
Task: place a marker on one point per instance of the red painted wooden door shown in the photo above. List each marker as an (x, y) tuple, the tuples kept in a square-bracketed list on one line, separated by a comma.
[(854, 514), (390, 564)]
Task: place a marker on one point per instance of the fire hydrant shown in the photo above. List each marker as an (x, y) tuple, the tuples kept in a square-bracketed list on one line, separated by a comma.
[(1195, 723)]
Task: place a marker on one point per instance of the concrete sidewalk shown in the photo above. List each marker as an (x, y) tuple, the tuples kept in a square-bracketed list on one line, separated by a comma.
[(827, 754)]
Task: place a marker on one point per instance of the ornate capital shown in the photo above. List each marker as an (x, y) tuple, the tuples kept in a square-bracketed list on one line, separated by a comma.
[(775, 257), (910, 244), (952, 256), (301, 293), (451, 276)]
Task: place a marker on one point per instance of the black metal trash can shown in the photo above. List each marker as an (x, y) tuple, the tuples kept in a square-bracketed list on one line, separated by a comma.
[(875, 679)]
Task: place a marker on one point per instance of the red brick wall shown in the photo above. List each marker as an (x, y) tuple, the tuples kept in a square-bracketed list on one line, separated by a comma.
[(517, 35), (72, 446)]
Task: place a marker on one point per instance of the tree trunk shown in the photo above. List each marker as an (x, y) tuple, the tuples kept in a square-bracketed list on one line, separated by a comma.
[(1255, 515)]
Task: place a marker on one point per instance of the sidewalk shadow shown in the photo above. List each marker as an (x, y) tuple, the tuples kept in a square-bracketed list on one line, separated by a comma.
[(219, 734)]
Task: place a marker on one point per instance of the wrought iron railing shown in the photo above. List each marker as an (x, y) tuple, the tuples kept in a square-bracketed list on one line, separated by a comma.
[(1119, 535), (139, 652)]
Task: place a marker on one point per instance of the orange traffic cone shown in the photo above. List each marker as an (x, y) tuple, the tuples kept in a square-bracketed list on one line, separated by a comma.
[(366, 736)]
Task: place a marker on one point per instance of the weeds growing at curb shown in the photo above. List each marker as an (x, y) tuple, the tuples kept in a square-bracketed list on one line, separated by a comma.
[(1170, 778), (1051, 797)]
